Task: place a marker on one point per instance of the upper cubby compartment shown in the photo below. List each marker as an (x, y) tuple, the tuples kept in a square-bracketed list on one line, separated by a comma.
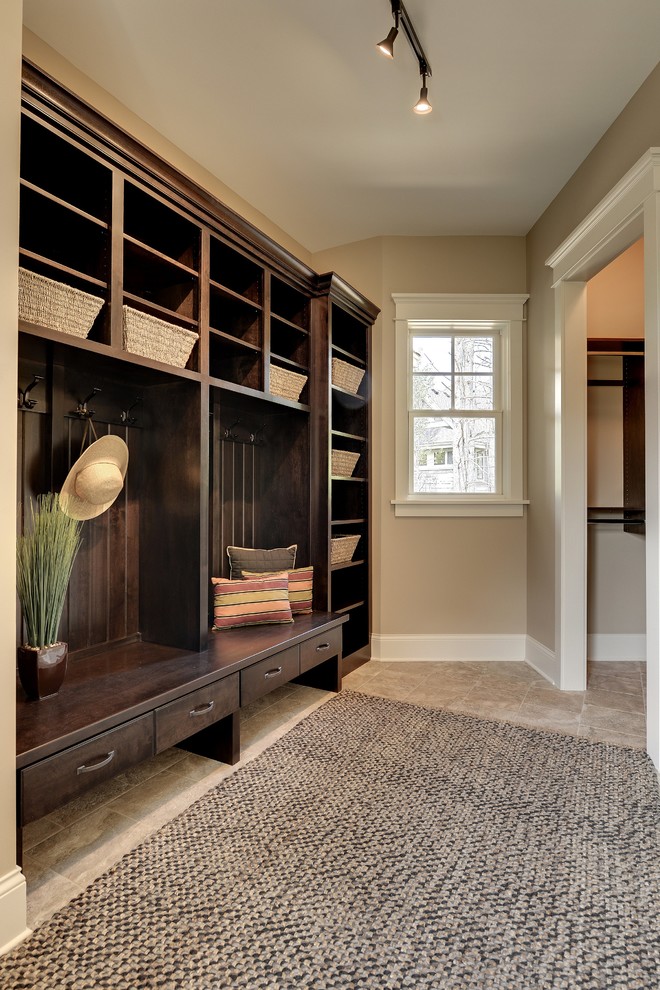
[(161, 257), (152, 224), (69, 241), (348, 337), (64, 172), (64, 235), (288, 305), (161, 286), (289, 325), (65, 209), (231, 270), (236, 287)]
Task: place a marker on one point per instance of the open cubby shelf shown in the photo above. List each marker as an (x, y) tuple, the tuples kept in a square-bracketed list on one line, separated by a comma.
[(161, 227), (51, 197), (235, 342), (152, 255), (287, 362), (59, 234), (253, 305), (348, 355), (53, 162), (232, 272), (348, 436), (139, 301), (56, 270)]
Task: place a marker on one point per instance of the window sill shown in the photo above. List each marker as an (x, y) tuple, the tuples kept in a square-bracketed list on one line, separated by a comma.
[(477, 506)]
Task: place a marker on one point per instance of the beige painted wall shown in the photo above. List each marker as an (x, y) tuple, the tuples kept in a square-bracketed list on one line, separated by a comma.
[(615, 296), (635, 130), (434, 576), (12, 886), (616, 588)]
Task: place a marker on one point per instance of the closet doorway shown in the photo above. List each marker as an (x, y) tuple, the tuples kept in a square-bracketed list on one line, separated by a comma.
[(616, 548)]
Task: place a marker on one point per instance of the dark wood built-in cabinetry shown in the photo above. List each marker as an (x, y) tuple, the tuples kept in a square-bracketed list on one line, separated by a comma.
[(216, 456)]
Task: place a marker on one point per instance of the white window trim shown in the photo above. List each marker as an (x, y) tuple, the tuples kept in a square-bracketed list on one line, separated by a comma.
[(506, 309)]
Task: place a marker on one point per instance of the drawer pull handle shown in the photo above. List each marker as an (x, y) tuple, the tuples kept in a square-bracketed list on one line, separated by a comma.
[(322, 646), (202, 709), (102, 762), (274, 672)]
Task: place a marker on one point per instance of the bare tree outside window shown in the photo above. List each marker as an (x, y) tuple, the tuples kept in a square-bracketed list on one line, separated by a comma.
[(453, 376)]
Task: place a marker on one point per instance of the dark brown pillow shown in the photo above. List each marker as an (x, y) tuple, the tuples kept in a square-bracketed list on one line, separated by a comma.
[(255, 560)]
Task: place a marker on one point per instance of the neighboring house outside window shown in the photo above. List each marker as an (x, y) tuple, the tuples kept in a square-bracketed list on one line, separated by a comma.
[(459, 405)]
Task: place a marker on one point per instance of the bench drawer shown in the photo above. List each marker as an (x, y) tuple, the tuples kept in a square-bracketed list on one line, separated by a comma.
[(319, 648), (58, 779), (196, 711), (269, 674)]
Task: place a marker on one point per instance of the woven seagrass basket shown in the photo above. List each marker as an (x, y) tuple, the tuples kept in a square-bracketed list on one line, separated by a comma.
[(56, 305), (150, 337), (342, 548), (346, 376), (344, 462), (287, 384)]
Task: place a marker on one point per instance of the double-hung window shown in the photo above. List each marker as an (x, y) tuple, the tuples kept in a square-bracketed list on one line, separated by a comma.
[(459, 405)]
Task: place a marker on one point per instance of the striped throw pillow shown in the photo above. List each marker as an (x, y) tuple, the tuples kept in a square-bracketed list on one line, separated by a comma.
[(301, 587), (253, 602)]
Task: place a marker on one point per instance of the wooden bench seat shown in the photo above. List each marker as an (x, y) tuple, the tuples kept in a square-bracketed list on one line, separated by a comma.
[(126, 704)]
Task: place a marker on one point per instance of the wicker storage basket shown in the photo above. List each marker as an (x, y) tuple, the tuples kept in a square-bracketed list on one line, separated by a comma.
[(285, 383), (150, 337), (55, 305), (342, 548), (346, 375), (344, 462)]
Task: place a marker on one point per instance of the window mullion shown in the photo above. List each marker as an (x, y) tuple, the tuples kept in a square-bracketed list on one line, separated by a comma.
[(453, 376)]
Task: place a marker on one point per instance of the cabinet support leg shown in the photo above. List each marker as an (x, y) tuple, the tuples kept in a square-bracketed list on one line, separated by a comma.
[(220, 741), (326, 675)]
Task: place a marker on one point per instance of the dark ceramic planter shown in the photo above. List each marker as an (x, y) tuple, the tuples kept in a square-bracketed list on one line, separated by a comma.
[(42, 670)]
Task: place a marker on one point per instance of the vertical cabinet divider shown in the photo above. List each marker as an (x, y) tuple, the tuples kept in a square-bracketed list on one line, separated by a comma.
[(116, 290)]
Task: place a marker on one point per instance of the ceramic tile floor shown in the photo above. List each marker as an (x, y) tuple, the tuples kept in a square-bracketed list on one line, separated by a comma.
[(76, 843)]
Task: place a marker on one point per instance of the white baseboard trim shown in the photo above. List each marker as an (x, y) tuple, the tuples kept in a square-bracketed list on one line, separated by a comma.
[(542, 659), (616, 646), (515, 647), (466, 648), (13, 929)]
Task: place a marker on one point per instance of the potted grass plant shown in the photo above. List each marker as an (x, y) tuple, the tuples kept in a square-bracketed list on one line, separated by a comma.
[(45, 554)]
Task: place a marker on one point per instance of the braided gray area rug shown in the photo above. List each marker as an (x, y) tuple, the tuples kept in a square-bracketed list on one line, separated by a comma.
[(383, 845)]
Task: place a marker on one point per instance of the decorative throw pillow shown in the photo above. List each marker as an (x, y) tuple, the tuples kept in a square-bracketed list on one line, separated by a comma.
[(257, 601), (301, 586), (260, 561)]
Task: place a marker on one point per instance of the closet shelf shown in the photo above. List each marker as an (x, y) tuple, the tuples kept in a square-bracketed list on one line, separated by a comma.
[(615, 515)]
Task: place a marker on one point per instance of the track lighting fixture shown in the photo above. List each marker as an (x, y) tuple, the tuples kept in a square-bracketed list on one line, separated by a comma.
[(386, 46), (402, 19)]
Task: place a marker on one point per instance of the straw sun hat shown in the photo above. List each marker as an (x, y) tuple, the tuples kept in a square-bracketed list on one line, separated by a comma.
[(96, 479)]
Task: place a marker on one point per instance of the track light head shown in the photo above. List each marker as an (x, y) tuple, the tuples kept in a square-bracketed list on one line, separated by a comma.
[(423, 106), (386, 46)]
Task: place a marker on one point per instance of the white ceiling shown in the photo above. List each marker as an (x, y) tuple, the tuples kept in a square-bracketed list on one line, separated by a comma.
[(289, 103)]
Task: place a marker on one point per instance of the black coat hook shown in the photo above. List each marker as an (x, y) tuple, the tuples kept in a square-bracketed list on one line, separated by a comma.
[(82, 409), (229, 431), (24, 400), (254, 436), (126, 414)]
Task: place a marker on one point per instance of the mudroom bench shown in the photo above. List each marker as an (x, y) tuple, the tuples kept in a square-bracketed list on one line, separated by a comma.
[(122, 706)]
